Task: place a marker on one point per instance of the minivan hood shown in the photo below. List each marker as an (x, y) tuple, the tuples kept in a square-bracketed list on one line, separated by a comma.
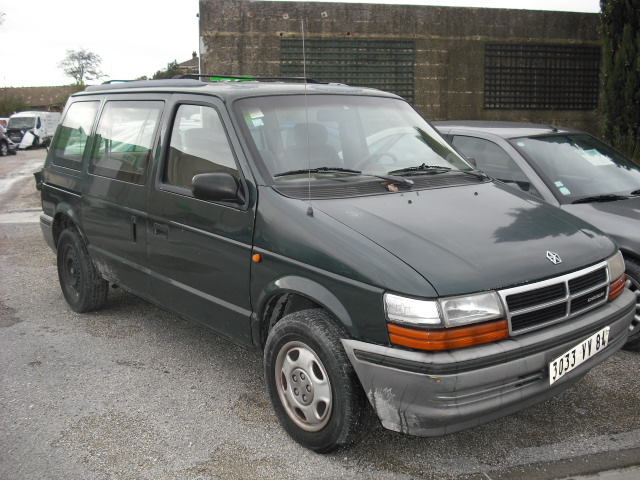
[(472, 238), (619, 219)]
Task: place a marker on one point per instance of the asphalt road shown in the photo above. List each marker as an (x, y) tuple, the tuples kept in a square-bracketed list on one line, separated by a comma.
[(134, 392)]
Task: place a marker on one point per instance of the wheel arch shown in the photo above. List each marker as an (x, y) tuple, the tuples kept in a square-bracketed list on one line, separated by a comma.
[(630, 254), (292, 294), (64, 217)]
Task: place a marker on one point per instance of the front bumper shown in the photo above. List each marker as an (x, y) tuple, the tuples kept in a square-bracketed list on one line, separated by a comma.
[(435, 393)]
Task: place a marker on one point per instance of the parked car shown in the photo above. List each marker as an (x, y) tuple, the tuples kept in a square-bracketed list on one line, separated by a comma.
[(6, 145), (569, 169), (303, 220)]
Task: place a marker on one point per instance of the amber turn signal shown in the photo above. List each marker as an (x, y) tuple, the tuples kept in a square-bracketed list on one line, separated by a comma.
[(256, 257), (449, 338), (616, 287)]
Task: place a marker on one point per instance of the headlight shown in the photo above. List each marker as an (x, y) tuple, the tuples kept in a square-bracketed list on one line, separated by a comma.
[(410, 311), (615, 265), (445, 312), (469, 320), (469, 309), (617, 279)]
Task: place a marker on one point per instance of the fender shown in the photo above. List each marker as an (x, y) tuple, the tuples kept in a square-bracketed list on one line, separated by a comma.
[(295, 284)]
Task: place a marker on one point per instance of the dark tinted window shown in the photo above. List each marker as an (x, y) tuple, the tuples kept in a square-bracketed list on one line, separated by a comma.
[(71, 138), (198, 144), (123, 140)]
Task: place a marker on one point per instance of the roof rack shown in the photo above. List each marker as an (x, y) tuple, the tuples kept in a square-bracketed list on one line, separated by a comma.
[(242, 78), (109, 82)]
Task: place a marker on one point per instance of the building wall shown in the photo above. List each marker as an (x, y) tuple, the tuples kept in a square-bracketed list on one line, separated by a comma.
[(41, 98), (243, 37)]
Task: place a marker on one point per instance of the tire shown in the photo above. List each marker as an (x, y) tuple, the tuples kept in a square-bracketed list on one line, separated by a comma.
[(82, 286), (4, 149), (633, 284), (312, 386)]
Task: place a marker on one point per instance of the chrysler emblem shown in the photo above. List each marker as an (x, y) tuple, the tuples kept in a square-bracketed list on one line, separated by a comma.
[(554, 257)]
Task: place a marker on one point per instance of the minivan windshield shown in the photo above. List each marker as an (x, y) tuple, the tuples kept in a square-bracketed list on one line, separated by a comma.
[(344, 137), (22, 122), (580, 168)]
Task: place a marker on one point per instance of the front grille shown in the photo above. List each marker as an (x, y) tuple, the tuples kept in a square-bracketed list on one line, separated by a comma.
[(537, 305)]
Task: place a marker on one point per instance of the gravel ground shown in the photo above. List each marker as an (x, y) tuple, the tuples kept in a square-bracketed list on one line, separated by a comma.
[(134, 392)]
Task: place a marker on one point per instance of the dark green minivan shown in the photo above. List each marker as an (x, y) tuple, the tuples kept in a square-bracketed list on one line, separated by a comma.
[(332, 228)]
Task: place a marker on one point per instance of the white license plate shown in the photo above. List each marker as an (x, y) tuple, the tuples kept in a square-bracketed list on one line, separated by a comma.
[(577, 355)]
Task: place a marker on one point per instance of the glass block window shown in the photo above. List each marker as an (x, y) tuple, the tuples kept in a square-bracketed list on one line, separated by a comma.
[(383, 64), (539, 76)]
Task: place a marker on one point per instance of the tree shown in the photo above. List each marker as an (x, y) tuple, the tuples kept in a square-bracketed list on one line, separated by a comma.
[(621, 75), (81, 65), (171, 71), (10, 104)]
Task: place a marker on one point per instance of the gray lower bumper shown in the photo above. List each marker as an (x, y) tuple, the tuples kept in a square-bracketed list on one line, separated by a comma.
[(430, 394), (46, 225)]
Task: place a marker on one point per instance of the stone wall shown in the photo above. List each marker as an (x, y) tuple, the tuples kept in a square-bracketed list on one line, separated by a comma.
[(243, 37)]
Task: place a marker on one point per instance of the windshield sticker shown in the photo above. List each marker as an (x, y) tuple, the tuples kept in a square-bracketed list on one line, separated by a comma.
[(254, 118), (563, 190), (521, 144)]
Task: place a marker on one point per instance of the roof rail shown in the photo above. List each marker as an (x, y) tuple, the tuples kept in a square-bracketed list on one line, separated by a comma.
[(128, 84), (109, 82), (242, 78)]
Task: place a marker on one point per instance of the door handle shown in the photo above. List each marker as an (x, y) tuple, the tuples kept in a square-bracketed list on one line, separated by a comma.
[(161, 230)]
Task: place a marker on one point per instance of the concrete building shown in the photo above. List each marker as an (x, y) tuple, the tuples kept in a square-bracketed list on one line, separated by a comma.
[(450, 63)]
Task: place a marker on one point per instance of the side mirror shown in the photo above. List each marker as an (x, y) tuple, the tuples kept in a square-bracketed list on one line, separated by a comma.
[(218, 187)]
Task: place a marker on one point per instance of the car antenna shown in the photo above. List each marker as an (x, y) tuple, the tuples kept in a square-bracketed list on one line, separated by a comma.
[(306, 113)]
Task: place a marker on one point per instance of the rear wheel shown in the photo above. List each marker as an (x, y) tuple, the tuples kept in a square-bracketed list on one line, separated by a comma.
[(4, 149), (633, 284), (312, 386), (82, 286)]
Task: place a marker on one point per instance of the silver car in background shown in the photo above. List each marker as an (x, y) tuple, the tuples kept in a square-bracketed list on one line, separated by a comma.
[(567, 168)]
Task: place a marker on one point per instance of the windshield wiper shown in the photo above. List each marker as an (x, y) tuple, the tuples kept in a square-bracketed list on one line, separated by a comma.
[(635, 193), (609, 197), (423, 169), (389, 178), (317, 170)]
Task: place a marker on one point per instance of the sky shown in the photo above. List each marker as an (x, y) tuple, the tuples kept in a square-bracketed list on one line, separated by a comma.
[(139, 37)]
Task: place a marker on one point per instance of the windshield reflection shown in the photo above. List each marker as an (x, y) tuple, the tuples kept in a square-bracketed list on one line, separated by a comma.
[(579, 166), (326, 133)]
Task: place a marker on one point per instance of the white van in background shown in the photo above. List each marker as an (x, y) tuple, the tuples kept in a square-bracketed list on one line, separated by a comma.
[(27, 129)]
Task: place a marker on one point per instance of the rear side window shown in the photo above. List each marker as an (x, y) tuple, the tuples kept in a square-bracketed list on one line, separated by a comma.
[(71, 138), (124, 138), (199, 144)]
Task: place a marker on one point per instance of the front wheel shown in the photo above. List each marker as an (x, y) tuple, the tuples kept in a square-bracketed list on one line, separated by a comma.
[(311, 384), (4, 149), (82, 286)]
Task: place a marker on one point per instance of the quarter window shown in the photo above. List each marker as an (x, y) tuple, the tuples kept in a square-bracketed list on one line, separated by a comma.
[(71, 138), (123, 140), (198, 145)]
